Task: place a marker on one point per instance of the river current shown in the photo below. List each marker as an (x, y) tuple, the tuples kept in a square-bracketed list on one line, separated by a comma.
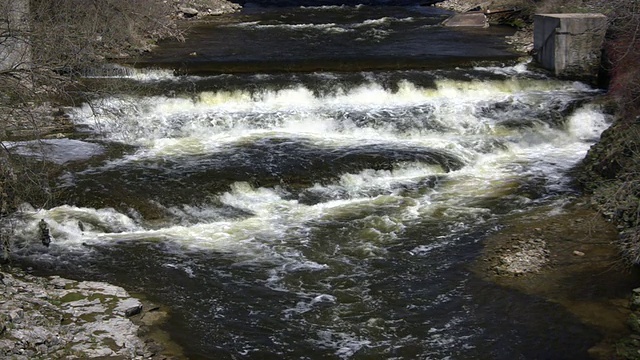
[(314, 182)]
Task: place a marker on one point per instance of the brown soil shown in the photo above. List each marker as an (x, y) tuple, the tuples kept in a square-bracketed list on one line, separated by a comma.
[(566, 257)]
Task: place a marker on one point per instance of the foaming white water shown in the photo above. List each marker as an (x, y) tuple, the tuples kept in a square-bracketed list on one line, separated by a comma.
[(214, 118), (324, 27), (71, 226), (452, 118), (587, 123), (142, 75), (383, 21), (518, 69), (272, 217), (296, 26)]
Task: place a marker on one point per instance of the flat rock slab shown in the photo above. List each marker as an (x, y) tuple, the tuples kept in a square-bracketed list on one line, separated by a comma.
[(56, 318), (470, 19)]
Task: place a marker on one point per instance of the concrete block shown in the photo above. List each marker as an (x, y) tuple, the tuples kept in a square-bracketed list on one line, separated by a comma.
[(570, 45), (470, 19)]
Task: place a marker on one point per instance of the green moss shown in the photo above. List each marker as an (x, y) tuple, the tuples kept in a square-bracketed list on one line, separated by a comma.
[(518, 23), (111, 344), (70, 297)]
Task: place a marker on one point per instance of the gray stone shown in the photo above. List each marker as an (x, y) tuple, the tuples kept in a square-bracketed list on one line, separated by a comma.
[(188, 12), (129, 307), (133, 311), (470, 19), (95, 323)]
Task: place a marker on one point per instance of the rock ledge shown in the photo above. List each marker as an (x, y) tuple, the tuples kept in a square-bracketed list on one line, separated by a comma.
[(44, 318)]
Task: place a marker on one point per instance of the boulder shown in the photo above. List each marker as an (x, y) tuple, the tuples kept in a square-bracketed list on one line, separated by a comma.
[(188, 12)]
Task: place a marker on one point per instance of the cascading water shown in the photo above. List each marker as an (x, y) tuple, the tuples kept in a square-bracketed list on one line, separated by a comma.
[(322, 214)]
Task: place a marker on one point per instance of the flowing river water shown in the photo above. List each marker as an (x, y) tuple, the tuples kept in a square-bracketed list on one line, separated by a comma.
[(314, 182)]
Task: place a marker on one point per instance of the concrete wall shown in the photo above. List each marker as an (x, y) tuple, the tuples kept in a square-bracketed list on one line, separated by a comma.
[(15, 51), (570, 45)]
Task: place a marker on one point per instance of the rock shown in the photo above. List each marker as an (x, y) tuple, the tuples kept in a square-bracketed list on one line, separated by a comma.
[(188, 12), (16, 315), (45, 233), (578, 253), (133, 311), (476, 19), (57, 318)]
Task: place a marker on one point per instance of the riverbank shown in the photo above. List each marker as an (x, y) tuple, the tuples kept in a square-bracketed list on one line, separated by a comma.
[(565, 255), (56, 318)]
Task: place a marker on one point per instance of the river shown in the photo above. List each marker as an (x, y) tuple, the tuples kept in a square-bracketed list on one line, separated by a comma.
[(306, 182)]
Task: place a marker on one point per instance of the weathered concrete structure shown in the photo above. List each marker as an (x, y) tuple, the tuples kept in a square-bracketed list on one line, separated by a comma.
[(570, 45), (15, 51), (469, 19)]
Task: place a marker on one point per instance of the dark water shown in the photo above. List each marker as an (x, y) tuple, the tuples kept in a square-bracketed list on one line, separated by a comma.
[(330, 38), (315, 183)]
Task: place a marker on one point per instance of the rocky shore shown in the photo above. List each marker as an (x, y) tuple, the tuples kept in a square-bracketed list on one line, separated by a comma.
[(567, 255), (188, 9), (56, 318)]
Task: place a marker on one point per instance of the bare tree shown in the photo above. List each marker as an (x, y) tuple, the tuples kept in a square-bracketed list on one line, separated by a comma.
[(44, 46)]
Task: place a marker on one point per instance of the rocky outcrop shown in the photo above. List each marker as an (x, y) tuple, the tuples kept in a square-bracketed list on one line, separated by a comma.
[(56, 318), (190, 9), (609, 173)]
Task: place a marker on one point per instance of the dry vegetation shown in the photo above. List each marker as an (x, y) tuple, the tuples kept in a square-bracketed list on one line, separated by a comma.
[(44, 45)]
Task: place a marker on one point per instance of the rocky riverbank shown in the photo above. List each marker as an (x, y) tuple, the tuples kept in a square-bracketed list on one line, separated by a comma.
[(56, 318), (566, 255), (189, 9)]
